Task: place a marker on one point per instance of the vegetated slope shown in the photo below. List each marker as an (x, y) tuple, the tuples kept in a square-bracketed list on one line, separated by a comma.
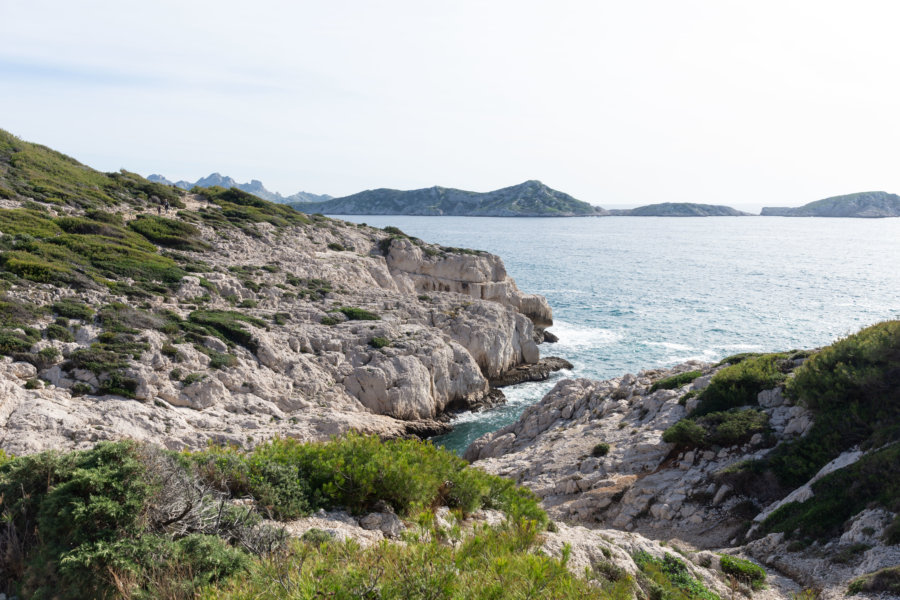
[(679, 209), (862, 205), (255, 187), (529, 199), (794, 457), (226, 317)]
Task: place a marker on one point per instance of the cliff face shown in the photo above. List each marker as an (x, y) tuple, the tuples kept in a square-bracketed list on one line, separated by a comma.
[(528, 199), (861, 205)]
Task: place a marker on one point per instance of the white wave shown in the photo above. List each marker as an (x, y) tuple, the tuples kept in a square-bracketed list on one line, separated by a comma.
[(671, 346), (579, 336)]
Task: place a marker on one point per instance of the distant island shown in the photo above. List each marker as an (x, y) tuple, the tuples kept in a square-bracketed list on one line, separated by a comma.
[(255, 187), (861, 205), (679, 209), (528, 199)]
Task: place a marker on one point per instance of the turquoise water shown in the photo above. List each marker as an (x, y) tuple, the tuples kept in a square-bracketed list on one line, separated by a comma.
[(630, 293)]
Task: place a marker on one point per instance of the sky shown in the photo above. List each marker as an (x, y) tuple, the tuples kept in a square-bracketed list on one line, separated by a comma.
[(616, 103)]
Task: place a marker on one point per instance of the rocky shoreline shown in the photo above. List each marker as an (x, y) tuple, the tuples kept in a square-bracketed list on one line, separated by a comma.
[(594, 453)]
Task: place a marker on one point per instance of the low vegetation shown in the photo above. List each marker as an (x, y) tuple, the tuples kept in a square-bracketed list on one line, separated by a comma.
[(675, 381), (744, 571), (668, 577), (729, 428), (886, 580), (136, 521), (739, 384), (169, 233)]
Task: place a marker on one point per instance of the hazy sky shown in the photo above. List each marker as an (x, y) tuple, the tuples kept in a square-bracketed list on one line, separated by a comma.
[(618, 103)]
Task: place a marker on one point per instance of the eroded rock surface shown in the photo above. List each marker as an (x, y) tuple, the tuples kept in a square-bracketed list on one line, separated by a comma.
[(442, 323)]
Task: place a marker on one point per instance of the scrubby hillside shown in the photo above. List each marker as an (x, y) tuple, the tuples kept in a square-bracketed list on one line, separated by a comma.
[(791, 458), (140, 310)]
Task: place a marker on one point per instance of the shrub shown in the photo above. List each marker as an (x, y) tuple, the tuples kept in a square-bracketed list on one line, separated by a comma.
[(227, 325), (358, 314), (601, 449), (675, 381), (33, 384), (379, 342), (838, 496), (744, 571), (336, 247), (853, 386), (357, 472), (327, 320), (170, 233), (740, 384), (58, 332), (885, 580), (192, 378), (80, 389), (670, 578), (73, 309), (685, 432)]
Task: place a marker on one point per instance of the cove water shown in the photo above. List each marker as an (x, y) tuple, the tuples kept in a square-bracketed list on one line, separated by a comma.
[(631, 293)]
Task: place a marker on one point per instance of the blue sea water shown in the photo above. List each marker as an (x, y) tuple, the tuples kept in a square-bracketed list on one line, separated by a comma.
[(630, 293)]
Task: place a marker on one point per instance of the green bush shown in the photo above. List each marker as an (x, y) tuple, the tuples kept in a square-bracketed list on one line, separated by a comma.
[(600, 450), (884, 580), (58, 332), (740, 384), (669, 578), (170, 233), (685, 432), (228, 325), (327, 320), (357, 472), (675, 381), (728, 428), (358, 314), (73, 309), (838, 496), (379, 342), (744, 571), (336, 247), (853, 386)]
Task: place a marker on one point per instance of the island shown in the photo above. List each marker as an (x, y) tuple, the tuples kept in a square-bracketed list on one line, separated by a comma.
[(679, 209), (528, 199), (869, 205)]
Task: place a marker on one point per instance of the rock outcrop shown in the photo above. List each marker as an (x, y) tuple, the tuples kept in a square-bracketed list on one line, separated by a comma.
[(594, 452), (348, 329)]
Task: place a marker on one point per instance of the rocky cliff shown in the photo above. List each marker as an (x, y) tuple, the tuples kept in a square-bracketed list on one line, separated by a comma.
[(231, 319), (778, 476), (528, 199), (861, 205)]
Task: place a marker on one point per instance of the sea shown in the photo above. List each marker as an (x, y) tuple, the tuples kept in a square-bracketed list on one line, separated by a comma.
[(632, 293)]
